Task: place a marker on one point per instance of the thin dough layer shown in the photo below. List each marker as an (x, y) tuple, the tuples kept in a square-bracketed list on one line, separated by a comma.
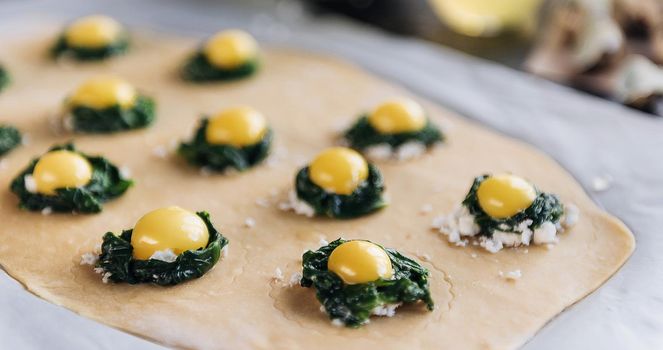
[(238, 305)]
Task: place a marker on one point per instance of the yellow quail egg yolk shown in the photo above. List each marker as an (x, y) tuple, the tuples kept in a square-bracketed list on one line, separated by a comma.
[(503, 196), (103, 92), (338, 170), (61, 169), (238, 126), (360, 262), (230, 49), (398, 116), (93, 32)]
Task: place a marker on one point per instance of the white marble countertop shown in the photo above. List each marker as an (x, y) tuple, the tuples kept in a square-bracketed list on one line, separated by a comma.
[(589, 137)]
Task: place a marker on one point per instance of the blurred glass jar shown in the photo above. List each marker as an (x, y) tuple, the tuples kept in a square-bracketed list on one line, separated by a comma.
[(488, 18)]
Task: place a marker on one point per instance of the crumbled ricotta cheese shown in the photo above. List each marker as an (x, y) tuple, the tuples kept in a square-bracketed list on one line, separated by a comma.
[(323, 242), (89, 258), (125, 172), (160, 152), (388, 310), (406, 151), (67, 123), (298, 206), (3, 164), (546, 233), (278, 275), (249, 222), (294, 279), (426, 208), (47, 211), (166, 255), (460, 223), (511, 275), (571, 215), (337, 322), (30, 183), (26, 139), (225, 251)]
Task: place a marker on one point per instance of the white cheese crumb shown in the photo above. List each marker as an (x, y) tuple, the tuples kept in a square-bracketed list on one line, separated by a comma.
[(47, 211), (160, 152), (26, 139), (323, 242), (249, 222), (294, 279), (571, 215), (546, 233), (89, 258), (298, 206), (337, 322), (3, 164), (225, 251), (602, 183), (388, 310), (406, 151), (206, 171), (410, 150), (511, 275), (125, 172), (426, 209), (379, 152), (30, 183), (166, 255), (459, 223), (67, 124), (278, 275)]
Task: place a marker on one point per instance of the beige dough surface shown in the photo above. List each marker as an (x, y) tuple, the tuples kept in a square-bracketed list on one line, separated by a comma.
[(238, 304)]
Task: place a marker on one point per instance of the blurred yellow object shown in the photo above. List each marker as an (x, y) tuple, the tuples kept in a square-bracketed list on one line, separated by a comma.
[(487, 17)]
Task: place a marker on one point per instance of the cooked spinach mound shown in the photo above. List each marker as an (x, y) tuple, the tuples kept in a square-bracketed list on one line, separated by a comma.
[(10, 137), (116, 260), (353, 304), (4, 78), (113, 119), (106, 184), (219, 157), (546, 207), (199, 69), (362, 135), (365, 199), (61, 47)]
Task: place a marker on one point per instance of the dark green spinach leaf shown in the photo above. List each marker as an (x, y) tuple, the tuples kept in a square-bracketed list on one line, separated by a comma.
[(545, 207), (365, 199), (10, 138), (4, 78), (113, 119), (106, 184), (362, 135), (61, 47), (218, 157), (116, 260), (354, 304), (199, 69)]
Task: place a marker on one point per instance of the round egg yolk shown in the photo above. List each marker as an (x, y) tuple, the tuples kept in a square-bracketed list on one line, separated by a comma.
[(338, 170), (398, 116), (61, 169), (93, 32), (360, 262), (503, 196), (230, 49), (103, 92), (238, 126), (171, 228)]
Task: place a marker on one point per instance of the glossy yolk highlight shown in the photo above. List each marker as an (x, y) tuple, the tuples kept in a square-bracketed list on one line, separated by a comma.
[(338, 170), (238, 126), (61, 169), (398, 116), (168, 228), (360, 262), (503, 196), (93, 32), (103, 92), (230, 49)]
